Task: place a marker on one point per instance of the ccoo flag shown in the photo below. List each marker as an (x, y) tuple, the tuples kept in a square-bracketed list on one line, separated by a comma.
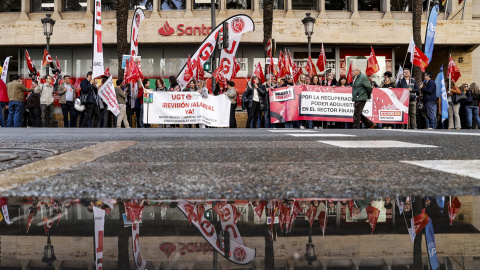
[(440, 82), (430, 36)]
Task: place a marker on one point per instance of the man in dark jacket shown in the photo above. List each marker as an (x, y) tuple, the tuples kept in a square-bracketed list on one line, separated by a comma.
[(408, 82), (255, 94), (361, 92), (89, 88), (429, 90), (33, 106)]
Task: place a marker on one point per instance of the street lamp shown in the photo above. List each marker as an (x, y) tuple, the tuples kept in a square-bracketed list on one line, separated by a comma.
[(49, 254), (309, 22), (310, 249), (48, 24)]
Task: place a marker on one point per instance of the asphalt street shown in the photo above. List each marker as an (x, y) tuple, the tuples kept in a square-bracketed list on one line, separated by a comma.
[(251, 163)]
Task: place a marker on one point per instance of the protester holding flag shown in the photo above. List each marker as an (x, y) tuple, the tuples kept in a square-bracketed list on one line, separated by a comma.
[(472, 108), (408, 82), (16, 90), (232, 95), (255, 93), (122, 104), (67, 95), (453, 108), (46, 91), (92, 110), (361, 92), (429, 98)]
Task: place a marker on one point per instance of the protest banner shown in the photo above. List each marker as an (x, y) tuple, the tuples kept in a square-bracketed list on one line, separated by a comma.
[(324, 103), (187, 108)]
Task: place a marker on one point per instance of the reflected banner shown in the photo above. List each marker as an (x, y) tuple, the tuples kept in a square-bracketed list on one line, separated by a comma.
[(186, 108), (324, 103)]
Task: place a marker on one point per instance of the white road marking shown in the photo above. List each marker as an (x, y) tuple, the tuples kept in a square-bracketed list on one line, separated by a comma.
[(375, 144), (446, 132), (321, 135), (289, 130), (469, 168)]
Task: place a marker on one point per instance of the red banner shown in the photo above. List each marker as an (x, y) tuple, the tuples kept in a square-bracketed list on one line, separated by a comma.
[(324, 103)]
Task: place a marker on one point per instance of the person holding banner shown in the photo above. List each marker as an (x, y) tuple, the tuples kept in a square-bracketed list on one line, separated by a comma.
[(361, 92), (122, 104), (254, 94)]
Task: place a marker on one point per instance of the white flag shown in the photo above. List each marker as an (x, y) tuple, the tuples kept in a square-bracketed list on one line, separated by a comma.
[(5, 69), (411, 50), (99, 218), (97, 65), (399, 75), (137, 20), (107, 93)]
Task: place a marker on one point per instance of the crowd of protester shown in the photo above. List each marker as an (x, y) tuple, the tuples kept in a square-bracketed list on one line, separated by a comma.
[(33, 107)]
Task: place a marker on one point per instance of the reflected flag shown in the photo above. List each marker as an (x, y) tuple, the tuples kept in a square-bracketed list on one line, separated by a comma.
[(311, 214), (453, 208), (373, 214), (441, 199), (322, 218), (420, 221), (259, 209), (431, 247)]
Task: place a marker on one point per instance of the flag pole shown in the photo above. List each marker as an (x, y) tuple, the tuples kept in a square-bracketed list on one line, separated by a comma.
[(324, 62), (445, 10)]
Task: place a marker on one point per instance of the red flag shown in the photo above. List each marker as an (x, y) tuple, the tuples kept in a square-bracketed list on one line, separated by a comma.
[(31, 214), (271, 68), (420, 59), (453, 71), (58, 65), (453, 208), (236, 68), (322, 59), (31, 66), (188, 70), (259, 73), (199, 71), (420, 221), (296, 72), (311, 213), (47, 59), (107, 72), (350, 203), (269, 48), (259, 209), (373, 214), (282, 67), (322, 218), (219, 74), (310, 67), (236, 214), (372, 64)]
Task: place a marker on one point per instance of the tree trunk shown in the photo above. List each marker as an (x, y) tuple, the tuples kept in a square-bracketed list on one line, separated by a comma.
[(123, 235), (417, 244), (122, 43), (417, 34), (267, 22)]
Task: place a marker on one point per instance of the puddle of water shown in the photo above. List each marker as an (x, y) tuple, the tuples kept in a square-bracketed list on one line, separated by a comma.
[(332, 234)]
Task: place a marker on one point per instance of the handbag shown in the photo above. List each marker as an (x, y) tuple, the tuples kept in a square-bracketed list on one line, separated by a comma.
[(457, 98)]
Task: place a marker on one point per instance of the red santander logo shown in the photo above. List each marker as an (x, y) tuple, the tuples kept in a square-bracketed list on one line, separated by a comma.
[(238, 24), (166, 30)]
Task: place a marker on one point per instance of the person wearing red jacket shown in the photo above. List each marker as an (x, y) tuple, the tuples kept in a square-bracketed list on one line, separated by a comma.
[(3, 102)]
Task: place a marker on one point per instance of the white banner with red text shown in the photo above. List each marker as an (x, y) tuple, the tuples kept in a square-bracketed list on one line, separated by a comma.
[(107, 93), (140, 263), (324, 103), (138, 17), (187, 108), (97, 65), (99, 217), (239, 254)]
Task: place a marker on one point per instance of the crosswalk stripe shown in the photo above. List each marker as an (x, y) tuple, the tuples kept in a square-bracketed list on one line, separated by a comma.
[(376, 144), (446, 132), (321, 135), (469, 168), (289, 130)]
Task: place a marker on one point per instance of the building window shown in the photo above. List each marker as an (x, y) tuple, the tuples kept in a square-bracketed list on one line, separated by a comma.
[(199, 4), (143, 4), (401, 5), (277, 4), (304, 5), (173, 5), (109, 5), (369, 5), (337, 4), (42, 5), (10, 6), (239, 4), (75, 5)]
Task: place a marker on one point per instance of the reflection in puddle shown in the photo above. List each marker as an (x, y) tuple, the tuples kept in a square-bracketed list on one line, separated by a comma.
[(334, 234)]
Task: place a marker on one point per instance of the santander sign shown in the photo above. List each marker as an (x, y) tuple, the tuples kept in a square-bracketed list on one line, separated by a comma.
[(167, 30)]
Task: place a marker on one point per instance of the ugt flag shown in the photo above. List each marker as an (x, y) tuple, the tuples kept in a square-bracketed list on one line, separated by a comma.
[(430, 38), (440, 82), (432, 249)]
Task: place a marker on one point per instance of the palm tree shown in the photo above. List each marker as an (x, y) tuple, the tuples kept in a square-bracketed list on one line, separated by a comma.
[(122, 43), (267, 22), (417, 35), (123, 235)]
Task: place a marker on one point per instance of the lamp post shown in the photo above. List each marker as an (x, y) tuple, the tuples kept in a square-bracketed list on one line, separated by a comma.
[(49, 254), (48, 24), (308, 23), (310, 249)]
